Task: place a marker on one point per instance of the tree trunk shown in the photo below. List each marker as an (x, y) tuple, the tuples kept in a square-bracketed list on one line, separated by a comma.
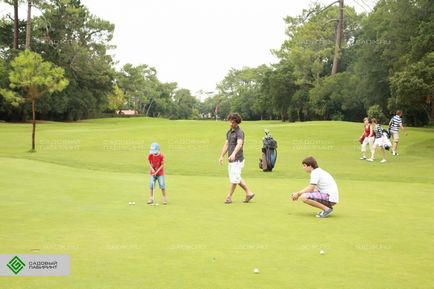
[(300, 115), (16, 25), (431, 104), (339, 31), (29, 24), (149, 107), (284, 115), (33, 123)]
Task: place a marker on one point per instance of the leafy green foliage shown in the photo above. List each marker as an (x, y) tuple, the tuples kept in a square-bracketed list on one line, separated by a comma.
[(116, 99), (35, 77), (376, 111), (413, 91), (385, 62)]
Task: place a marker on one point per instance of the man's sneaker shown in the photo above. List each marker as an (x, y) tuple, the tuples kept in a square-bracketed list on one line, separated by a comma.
[(383, 161), (324, 213), (363, 158), (370, 160), (150, 202)]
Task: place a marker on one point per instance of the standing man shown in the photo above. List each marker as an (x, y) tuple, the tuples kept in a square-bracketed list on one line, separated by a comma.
[(234, 147), (395, 124), (322, 191)]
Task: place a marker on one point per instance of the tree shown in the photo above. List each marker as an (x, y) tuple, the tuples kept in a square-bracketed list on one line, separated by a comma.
[(339, 32), (311, 46), (139, 85), (16, 24), (242, 89), (413, 91), (183, 104), (279, 86), (15, 3), (376, 111), (116, 99), (394, 43), (35, 77), (29, 24), (69, 36), (333, 97)]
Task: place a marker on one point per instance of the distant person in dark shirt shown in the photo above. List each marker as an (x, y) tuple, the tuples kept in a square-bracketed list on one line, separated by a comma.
[(234, 147)]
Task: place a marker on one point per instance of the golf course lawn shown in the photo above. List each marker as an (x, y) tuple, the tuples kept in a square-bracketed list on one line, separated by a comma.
[(71, 197)]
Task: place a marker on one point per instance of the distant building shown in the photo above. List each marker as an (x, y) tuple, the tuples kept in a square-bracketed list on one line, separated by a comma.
[(126, 112)]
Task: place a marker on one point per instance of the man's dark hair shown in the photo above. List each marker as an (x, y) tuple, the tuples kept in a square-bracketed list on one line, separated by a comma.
[(235, 116), (398, 112), (310, 162)]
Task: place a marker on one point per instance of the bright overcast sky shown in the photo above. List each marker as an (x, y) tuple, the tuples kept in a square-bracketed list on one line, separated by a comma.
[(196, 42)]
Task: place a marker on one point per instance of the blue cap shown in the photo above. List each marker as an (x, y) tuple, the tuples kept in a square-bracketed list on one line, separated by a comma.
[(155, 148)]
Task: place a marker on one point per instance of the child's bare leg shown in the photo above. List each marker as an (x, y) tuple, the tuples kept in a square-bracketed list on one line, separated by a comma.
[(151, 196), (163, 192)]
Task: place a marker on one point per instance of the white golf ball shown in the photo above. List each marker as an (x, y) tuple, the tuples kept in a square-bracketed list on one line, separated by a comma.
[(322, 252), (156, 204), (256, 270)]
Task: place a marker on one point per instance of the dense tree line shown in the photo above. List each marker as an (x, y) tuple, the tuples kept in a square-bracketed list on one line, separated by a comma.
[(69, 36), (386, 62)]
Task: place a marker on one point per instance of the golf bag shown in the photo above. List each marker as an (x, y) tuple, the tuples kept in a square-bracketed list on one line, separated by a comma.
[(269, 152), (386, 140), (384, 135)]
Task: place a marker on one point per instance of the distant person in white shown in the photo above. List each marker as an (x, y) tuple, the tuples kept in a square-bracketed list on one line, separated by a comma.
[(395, 124), (322, 191)]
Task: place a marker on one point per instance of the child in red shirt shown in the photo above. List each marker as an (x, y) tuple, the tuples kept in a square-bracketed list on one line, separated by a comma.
[(156, 162)]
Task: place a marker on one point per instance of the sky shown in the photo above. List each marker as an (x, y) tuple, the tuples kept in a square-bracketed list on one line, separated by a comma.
[(196, 42)]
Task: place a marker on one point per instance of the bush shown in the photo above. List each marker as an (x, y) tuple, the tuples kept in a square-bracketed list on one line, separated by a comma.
[(377, 112)]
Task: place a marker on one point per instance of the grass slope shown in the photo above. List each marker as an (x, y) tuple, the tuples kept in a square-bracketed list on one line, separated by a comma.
[(71, 197)]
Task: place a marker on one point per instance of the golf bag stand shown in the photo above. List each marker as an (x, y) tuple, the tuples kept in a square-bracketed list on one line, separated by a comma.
[(269, 153)]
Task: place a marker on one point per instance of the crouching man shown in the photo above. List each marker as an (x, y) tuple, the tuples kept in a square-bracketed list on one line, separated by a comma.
[(322, 192)]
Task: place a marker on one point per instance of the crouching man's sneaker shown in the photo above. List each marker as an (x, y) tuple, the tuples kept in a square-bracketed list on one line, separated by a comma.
[(324, 213)]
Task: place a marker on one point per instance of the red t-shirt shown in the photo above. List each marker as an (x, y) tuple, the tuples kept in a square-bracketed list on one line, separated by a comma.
[(156, 162)]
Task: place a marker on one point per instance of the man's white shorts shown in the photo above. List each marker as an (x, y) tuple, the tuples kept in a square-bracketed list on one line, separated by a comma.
[(234, 170)]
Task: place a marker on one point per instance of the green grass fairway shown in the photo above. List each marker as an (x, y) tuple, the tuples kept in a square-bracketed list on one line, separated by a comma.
[(71, 197)]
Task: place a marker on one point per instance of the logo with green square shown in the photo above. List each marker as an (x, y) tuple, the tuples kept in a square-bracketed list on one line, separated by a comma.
[(16, 265)]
